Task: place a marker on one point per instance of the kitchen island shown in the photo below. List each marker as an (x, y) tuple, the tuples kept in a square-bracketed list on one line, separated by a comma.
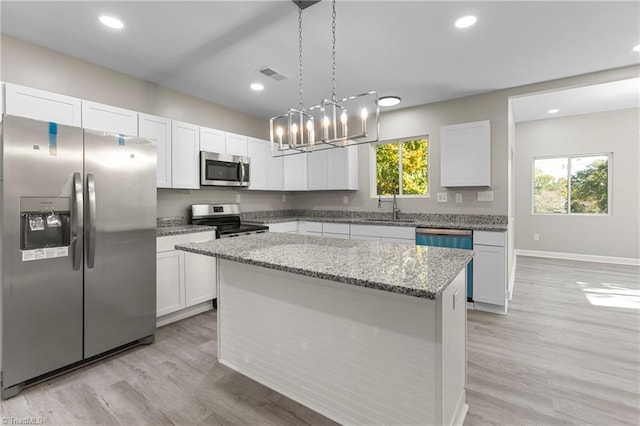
[(362, 332)]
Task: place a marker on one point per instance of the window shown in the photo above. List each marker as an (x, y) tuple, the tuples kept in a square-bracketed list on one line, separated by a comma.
[(577, 184), (401, 167)]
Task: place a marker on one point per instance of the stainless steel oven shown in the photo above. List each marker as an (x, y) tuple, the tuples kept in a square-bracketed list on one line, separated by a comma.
[(223, 170)]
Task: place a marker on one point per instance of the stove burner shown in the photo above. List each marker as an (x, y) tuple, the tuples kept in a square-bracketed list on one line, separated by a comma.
[(226, 219)]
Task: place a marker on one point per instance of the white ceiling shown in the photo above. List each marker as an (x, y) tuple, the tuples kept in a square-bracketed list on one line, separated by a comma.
[(579, 100), (213, 49)]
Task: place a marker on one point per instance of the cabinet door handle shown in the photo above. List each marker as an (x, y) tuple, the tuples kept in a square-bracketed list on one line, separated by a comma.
[(455, 297)]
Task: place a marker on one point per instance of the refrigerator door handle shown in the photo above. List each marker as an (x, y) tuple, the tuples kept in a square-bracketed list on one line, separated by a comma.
[(91, 235), (76, 220)]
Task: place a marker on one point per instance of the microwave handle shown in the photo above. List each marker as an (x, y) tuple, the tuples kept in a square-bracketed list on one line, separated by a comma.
[(241, 172)]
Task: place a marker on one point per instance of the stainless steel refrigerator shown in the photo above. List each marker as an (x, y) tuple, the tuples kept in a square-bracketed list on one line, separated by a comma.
[(78, 247)]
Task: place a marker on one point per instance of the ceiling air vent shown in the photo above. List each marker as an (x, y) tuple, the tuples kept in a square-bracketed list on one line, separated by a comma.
[(271, 73)]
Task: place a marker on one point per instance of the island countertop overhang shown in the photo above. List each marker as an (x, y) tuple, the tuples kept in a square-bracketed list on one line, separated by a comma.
[(417, 271)]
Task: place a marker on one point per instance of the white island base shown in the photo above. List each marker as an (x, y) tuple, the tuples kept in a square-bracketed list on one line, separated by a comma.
[(354, 354)]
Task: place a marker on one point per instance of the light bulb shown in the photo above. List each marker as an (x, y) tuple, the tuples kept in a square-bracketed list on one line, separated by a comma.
[(364, 114), (309, 125), (325, 121), (279, 131), (294, 128), (343, 117)]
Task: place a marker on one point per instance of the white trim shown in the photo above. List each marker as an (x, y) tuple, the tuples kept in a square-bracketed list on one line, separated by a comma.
[(512, 276), (490, 307), (184, 313), (581, 257)]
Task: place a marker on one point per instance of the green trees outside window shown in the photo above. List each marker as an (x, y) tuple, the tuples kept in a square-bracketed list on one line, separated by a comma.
[(572, 184), (402, 168)]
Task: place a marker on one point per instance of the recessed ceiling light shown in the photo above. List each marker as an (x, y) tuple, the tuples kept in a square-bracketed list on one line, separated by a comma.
[(111, 22), (387, 101), (466, 21), (553, 111), (257, 87), (636, 48)]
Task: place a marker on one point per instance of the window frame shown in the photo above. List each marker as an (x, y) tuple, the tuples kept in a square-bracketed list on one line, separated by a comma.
[(373, 176), (609, 156)]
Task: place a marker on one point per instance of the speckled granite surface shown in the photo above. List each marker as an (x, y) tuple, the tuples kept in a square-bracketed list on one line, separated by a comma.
[(164, 231), (171, 221), (398, 268), (449, 221)]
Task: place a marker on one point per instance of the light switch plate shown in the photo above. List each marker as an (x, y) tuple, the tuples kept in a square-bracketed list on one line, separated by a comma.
[(284, 198), (458, 197), (345, 199), (485, 196), (442, 197), (238, 198)]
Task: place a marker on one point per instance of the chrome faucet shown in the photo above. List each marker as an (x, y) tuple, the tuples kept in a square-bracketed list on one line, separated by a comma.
[(395, 210)]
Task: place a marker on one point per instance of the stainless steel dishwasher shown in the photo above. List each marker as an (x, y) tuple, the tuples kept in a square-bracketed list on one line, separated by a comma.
[(449, 238)]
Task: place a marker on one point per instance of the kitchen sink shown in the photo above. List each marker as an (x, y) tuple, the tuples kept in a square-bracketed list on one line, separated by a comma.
[(389, 220)]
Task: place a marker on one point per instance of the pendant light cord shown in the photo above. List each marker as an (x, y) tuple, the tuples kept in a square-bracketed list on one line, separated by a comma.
[(333, 51), (300, 55)]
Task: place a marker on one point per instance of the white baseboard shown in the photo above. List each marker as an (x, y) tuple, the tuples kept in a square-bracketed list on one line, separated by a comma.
[(184, 313), (582, 257), (512, 277), (488, 307)]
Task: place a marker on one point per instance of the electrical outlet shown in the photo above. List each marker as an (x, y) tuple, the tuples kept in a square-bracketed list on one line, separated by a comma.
[(442, 197), (458, 197), (536, 237), (284, 198), (345, 199), (237, 198), (485, 196)]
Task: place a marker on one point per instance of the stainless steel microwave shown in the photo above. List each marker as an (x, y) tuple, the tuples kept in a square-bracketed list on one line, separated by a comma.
[(223, 170)]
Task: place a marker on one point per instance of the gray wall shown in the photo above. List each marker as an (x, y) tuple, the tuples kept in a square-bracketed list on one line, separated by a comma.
[(426, 120), (34, 66), (614, 235)]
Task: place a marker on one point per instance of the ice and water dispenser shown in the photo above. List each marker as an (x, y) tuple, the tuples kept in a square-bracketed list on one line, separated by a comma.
[(45, 224)]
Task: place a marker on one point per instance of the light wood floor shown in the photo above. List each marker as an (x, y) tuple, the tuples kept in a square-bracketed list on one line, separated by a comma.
[(567, 353)]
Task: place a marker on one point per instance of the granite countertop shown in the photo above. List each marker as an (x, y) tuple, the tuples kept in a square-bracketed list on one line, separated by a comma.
[(163, 231), (498, 227), (408, 269)]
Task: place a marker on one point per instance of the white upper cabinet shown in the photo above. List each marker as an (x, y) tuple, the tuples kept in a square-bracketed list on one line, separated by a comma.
[(295, 172), (158, 129), (317, 170), (212, 140), (258, 151), (185, 152), (335, 168), (40, 105), (109, 118), (465, 154), (275, 172), (342, 168), (236, 144)]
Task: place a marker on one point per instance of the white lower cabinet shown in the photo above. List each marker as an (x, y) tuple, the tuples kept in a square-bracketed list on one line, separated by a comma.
[(489, 271), (184, 281), (285, 227), (200, 283), (389, 234), (169, 282)]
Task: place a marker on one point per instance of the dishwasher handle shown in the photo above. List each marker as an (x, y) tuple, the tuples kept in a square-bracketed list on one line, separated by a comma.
[(442, 231)]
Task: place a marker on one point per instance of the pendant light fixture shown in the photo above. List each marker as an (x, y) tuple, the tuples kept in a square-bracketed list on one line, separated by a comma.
[(333, 123)]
